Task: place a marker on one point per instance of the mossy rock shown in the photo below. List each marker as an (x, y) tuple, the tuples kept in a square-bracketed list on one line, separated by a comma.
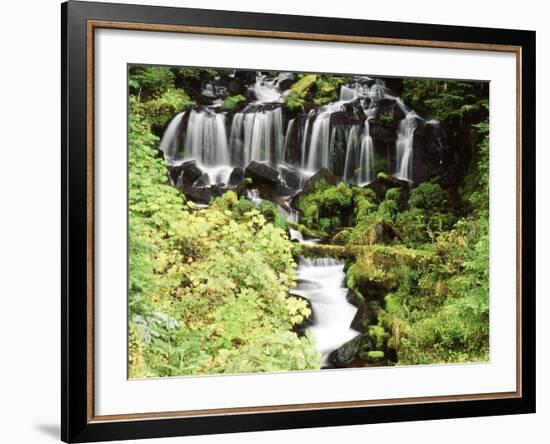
[(342, 237), (375, 356)]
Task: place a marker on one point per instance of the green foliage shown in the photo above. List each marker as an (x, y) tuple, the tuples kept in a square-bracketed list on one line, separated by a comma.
[(296, 96), (429, 213), (328, 88), (326, 205), (208, 289), (447, 100), (148, 81), (231, 102), (161, 110)]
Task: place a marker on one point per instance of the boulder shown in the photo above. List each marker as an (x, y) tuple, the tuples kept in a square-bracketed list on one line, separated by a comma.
[(188, 171), (198, 194), (384, 182), (202, 181), (236, 176), (291, 179), (345, 355), (235, 86), (261, 174)]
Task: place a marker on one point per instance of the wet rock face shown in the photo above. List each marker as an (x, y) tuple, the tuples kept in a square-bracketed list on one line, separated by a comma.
[(432, 155), (261, 174), (343, 356), (237, 175), (188, 173)]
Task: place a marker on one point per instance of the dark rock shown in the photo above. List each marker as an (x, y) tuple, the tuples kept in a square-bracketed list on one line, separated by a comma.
[(390, 109), (235, 86), (159, 154), (188, 171), (262, 174), (432, 155), (202, 181), (384, 182), (236, 176), (379, 131), (247, 77), (343, 356), (198, 194), (291, 179), (344, 118), (394, 83)]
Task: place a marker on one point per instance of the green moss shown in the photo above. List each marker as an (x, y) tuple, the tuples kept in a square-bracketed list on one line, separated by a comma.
[(160, 110), (298, 92), (230, 103), (341, 238), (378, 336), (375, 356), (327, 206)]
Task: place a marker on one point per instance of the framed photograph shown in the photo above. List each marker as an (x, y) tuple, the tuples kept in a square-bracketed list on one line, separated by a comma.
[(275, 221)]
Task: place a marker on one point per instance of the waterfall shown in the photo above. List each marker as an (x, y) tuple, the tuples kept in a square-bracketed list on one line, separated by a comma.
[(302, 145), (319, 154), (404, 146), (257, 135), (351, 147), (366, 158), (206, 139), (348, 93), (305, 138), (266, 91), (321, 281), (169, 142), (287, 139)]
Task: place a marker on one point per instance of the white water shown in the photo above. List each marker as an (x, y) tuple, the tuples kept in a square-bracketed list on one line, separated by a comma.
[(321, 281), (260, 133), (266, 90), (404, 146), (366, 158), (206, 139), (169, 142)]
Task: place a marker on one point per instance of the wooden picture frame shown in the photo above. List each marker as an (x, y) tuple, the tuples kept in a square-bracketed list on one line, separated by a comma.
[(79, 22)]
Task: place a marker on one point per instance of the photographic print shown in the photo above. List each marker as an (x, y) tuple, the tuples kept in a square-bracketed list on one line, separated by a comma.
[(292, 221)]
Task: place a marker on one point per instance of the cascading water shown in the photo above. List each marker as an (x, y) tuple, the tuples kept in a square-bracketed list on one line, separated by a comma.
[(169, 142), (257, 135), (219, 140), (366, 158), (404, 146), (321, 281)]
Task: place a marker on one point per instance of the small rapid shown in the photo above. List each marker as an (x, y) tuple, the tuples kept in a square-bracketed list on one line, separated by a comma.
[(321, 281)]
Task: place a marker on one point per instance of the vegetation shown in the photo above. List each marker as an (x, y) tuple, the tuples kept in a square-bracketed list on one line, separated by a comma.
[(209, 288), (232, 102)]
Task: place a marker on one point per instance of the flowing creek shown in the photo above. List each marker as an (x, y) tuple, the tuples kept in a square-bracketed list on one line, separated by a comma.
[(322, 282)]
